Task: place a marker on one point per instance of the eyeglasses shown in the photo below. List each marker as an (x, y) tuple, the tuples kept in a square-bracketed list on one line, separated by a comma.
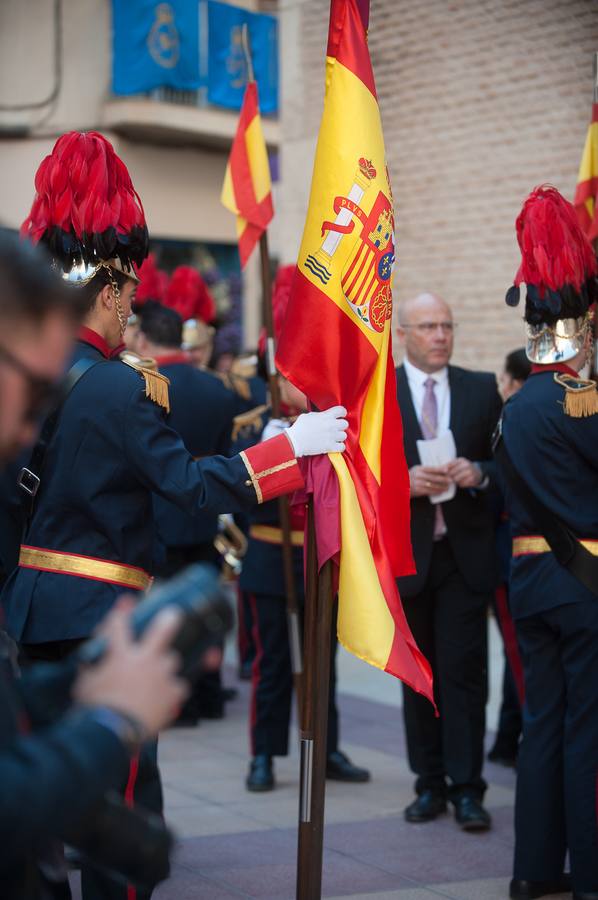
[(43, 392), (430, 327)]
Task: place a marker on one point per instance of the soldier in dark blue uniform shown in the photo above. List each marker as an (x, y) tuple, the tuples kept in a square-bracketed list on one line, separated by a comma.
[(202, 411), (548, 457), (91, 530)]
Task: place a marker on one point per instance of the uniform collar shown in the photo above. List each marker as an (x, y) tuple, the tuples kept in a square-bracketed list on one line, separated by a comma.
[(172, 357), (89, 336), (419, 378), (538, 368)]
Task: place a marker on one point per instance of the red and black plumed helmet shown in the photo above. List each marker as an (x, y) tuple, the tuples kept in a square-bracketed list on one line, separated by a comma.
[(86, 210)]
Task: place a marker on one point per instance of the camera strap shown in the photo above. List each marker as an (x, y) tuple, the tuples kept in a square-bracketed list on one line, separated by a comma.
[(566, 547), (29, 478)]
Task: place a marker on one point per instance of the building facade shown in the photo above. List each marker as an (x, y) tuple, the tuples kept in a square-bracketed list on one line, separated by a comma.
[(481, 100), (56, 75)]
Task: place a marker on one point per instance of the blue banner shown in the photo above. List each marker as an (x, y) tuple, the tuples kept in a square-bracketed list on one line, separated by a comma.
[(155, 45), (227, 67)]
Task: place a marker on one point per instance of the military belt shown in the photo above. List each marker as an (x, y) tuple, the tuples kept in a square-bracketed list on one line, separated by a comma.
[(84, 567), (269, 534), (533, 544)]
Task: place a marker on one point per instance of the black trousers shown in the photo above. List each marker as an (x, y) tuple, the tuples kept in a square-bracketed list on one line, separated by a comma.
[(449, 623), (206, 695), (272, 687), (143, 787), (557, 769)]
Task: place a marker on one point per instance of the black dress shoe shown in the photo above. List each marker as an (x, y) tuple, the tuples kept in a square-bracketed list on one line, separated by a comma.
[(261, 774), (520, 889), (470, 814), (426, 807), (340, 768)]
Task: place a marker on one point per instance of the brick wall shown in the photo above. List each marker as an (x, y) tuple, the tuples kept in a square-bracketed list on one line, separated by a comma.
[(481, 100)]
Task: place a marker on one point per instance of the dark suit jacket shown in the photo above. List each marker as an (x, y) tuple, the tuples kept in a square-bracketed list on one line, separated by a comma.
[(475, 409), (56, 763)]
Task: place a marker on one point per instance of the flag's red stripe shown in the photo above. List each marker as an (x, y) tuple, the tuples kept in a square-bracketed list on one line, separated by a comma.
[(247, 241), (586, 190), (347, 40), (240, 170), (323, 351), (594, 112)]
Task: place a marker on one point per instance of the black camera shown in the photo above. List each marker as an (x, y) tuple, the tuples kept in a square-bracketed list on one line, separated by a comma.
[(133, 845), (206, 616)]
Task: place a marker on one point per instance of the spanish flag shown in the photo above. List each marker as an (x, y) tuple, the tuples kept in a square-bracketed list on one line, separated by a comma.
[(586, 193), (247, 190), (336, 347)]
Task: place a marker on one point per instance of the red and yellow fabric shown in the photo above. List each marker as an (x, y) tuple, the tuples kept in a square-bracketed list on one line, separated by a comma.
[(272, 468), (336, 347), (247, 190), (586, 192)]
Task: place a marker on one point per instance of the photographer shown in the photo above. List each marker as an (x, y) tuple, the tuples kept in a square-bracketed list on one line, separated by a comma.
[(65, 736)]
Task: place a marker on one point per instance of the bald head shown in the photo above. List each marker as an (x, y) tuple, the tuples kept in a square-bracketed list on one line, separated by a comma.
[(426, 302), (426, 331)]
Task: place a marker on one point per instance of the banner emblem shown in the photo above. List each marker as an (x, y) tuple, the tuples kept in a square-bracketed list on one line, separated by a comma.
[(365, 278), (163, 40)]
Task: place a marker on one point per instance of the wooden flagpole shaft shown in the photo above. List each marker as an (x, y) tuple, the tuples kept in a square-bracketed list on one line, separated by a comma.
[(314, 723), (295, 642)]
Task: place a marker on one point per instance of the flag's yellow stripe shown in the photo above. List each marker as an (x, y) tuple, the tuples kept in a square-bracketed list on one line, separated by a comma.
[(258, 159), (589, 160), (227, 196), (365, 626), (241, 225), (344, 138)]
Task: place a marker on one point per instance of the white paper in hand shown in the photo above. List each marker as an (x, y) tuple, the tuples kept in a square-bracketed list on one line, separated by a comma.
[(439, 451)]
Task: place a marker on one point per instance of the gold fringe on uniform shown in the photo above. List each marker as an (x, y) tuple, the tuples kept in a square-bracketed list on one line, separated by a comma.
[(581, 396), (156, 384), (250, 420)]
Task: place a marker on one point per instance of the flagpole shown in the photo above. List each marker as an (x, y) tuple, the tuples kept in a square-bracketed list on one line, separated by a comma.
[(284, 512), (314, 719)]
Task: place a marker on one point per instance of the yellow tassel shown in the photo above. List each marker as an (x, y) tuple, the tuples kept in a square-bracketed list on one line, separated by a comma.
[(156, 384), (252, 419), (156, 388), (581, 397)]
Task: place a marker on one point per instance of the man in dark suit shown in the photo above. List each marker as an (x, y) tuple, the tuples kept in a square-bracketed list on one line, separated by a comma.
[(446, 601)]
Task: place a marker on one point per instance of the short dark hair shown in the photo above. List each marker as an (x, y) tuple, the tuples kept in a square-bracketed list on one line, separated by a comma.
[(517, 365), (89, 292), (29, 287), (160, 325)]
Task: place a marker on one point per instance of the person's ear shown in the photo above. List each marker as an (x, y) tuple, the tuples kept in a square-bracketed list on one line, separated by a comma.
[(401, 334), (105, 297)]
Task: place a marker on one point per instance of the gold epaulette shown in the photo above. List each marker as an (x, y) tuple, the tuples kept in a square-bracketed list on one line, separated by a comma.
[(235, 383), (581, 397), (251, 420), (156, 384)]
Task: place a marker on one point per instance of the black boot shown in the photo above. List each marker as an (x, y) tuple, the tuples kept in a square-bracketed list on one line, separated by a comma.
[(261, 774), (340, 768)]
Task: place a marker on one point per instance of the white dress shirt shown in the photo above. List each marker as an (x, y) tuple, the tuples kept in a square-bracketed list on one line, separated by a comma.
[(416, 380)]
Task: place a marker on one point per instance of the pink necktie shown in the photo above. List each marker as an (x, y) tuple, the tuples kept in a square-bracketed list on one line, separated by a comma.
[(429, 425)]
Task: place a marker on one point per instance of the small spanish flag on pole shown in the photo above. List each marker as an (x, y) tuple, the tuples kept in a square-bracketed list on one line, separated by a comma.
[(247, 190), (586, 192)]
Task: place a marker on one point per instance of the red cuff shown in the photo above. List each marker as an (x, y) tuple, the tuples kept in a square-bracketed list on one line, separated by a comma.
[(272, 468)]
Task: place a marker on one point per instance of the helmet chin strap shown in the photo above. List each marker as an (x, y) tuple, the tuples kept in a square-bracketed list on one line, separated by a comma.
[(122, 320)]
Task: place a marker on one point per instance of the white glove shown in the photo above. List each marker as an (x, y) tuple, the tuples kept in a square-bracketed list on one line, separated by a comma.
[(319, 432), (273, 428)]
